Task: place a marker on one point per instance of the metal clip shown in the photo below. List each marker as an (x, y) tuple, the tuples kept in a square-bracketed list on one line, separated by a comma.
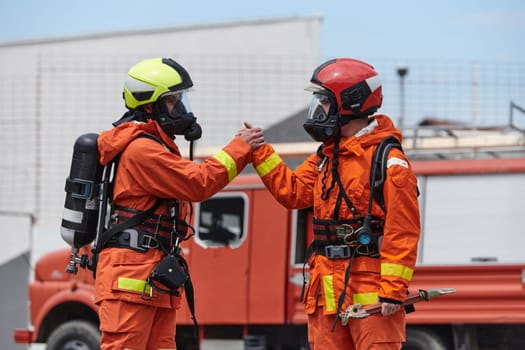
[(321, 164), (148, 240), (113, 219), (346, 233), (147, 285)]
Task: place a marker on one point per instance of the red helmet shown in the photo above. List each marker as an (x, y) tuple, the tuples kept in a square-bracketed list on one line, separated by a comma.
[(355, 85), (344, 89)]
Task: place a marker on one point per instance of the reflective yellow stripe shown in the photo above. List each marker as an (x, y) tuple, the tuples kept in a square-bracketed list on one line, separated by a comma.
[(133, 284), (228, 162), (397, 270), (329, 297), (365, 298), (268, 165)]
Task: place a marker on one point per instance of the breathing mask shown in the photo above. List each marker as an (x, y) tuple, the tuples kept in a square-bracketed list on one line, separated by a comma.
[(322, 120), (179, 120)]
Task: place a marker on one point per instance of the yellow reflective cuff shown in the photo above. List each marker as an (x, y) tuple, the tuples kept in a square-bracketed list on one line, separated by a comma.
[(365, 298), (329, 296), (397, 270), (133, 285), (268, 165), (228, 162)]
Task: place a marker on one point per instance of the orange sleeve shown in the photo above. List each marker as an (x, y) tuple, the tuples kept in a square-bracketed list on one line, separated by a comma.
[(401, 229), (293, 189), (146, 168)]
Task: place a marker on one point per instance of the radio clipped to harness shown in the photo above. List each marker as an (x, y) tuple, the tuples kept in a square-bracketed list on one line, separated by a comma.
[(170, 273)]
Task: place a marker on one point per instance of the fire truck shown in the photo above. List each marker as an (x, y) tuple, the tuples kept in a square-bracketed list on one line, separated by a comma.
[(247, 257)]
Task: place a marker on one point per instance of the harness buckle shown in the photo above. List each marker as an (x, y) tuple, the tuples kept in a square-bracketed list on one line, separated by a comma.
[(149, 241), (130, 237), (337, 251)]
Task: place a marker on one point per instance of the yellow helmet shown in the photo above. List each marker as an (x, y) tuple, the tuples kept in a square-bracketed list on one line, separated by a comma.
[(150, 79)]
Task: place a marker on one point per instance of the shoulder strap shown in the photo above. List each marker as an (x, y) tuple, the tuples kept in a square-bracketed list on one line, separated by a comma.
[(150, 136), (378, 171)]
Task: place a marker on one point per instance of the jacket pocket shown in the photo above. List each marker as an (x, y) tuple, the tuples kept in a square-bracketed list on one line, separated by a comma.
[(131, 270)]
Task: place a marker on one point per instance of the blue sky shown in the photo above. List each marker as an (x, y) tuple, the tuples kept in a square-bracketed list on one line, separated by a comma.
[(465, 30)]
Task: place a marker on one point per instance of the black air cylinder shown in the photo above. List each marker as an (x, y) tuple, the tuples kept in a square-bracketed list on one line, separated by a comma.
[(80, 218)]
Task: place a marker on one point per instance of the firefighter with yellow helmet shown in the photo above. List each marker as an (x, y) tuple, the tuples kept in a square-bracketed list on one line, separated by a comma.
[(136, 294)]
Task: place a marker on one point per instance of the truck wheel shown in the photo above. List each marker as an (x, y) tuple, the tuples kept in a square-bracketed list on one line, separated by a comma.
[(74, 335), (422, 339)]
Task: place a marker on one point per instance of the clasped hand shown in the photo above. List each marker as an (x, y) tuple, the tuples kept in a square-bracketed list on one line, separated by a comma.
[(253, 136)]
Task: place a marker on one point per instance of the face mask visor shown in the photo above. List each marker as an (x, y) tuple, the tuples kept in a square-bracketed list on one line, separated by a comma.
[(178, 100), (319, 108), (177, 117), (321, 122)]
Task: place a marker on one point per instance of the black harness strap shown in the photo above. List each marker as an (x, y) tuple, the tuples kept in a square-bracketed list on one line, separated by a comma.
[(378, 172), (133, 221), (336, 179), (190, 299)]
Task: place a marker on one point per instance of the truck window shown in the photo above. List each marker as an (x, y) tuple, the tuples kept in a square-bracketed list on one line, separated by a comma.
[(221, 221)]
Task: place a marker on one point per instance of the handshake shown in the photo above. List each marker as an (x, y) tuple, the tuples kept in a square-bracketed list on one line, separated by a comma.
[(253, 136)]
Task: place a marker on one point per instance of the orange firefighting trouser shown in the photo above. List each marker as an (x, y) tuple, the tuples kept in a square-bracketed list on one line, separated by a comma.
[(127, 325), (375, 332)]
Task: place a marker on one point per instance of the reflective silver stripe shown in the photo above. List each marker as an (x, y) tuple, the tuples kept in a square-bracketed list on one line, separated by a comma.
[(72, 216), (396, 161), (373, 82)]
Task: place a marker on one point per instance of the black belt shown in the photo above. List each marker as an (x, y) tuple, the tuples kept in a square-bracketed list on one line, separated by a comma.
[(138, 240), (344, 251)]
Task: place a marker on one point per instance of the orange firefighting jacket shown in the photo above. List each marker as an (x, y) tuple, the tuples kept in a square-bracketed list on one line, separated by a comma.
[(149, 170), (370, 278)]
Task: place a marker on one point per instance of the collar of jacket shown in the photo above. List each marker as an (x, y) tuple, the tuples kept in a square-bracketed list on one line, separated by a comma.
[(380, 126), (168, 142), (113, 141)]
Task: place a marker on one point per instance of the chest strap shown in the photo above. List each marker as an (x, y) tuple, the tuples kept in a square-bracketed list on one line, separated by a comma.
[(133, 221), (155, 224)]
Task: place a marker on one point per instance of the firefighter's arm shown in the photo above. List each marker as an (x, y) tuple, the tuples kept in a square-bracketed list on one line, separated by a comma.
[(168, 175), (401, 230), (293, 189)]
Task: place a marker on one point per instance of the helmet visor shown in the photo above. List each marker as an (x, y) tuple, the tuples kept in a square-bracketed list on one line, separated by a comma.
[(179, 102), (319, 107)]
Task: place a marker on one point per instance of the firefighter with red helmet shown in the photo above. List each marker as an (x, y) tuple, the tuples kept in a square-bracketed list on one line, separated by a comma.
[(363, 251), (137, 311)]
